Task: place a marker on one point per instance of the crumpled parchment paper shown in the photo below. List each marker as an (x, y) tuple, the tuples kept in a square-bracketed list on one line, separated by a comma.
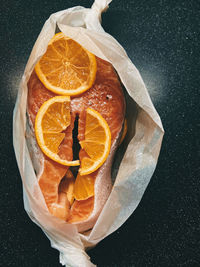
[(137, 158)]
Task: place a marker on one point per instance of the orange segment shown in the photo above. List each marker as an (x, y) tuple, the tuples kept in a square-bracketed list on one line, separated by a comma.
[(66, 68), (53, 140), (97, 142), (67, 186), (51, 120), (84, 187)]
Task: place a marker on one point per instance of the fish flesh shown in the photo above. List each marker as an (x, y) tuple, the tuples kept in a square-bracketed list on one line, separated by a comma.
[(106, 97)]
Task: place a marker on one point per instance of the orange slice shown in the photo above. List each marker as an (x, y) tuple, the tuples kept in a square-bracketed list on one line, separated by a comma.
[(67, 186), (66, 68), (84, 187), (97, 142), (51, 120)]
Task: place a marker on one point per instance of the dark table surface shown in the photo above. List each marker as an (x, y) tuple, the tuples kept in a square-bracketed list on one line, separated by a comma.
[(160, 37)]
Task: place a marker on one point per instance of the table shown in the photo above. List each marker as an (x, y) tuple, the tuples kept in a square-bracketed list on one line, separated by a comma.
[(160, 37)]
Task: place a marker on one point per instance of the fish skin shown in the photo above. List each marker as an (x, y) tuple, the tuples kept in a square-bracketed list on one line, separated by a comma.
[(106, 97)]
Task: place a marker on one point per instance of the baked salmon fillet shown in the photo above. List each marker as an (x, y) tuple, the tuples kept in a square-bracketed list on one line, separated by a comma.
[(106, 97)]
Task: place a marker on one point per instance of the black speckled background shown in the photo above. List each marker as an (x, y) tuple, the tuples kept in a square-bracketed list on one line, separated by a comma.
[(160, 37)]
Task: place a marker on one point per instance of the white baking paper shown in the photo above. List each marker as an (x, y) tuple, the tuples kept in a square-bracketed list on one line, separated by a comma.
[(141, 147)]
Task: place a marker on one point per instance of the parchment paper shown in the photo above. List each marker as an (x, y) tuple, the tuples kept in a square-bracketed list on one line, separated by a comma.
[(141, 147)]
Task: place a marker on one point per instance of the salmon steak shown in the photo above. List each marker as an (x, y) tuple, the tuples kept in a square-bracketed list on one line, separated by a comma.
[(106, 97)]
